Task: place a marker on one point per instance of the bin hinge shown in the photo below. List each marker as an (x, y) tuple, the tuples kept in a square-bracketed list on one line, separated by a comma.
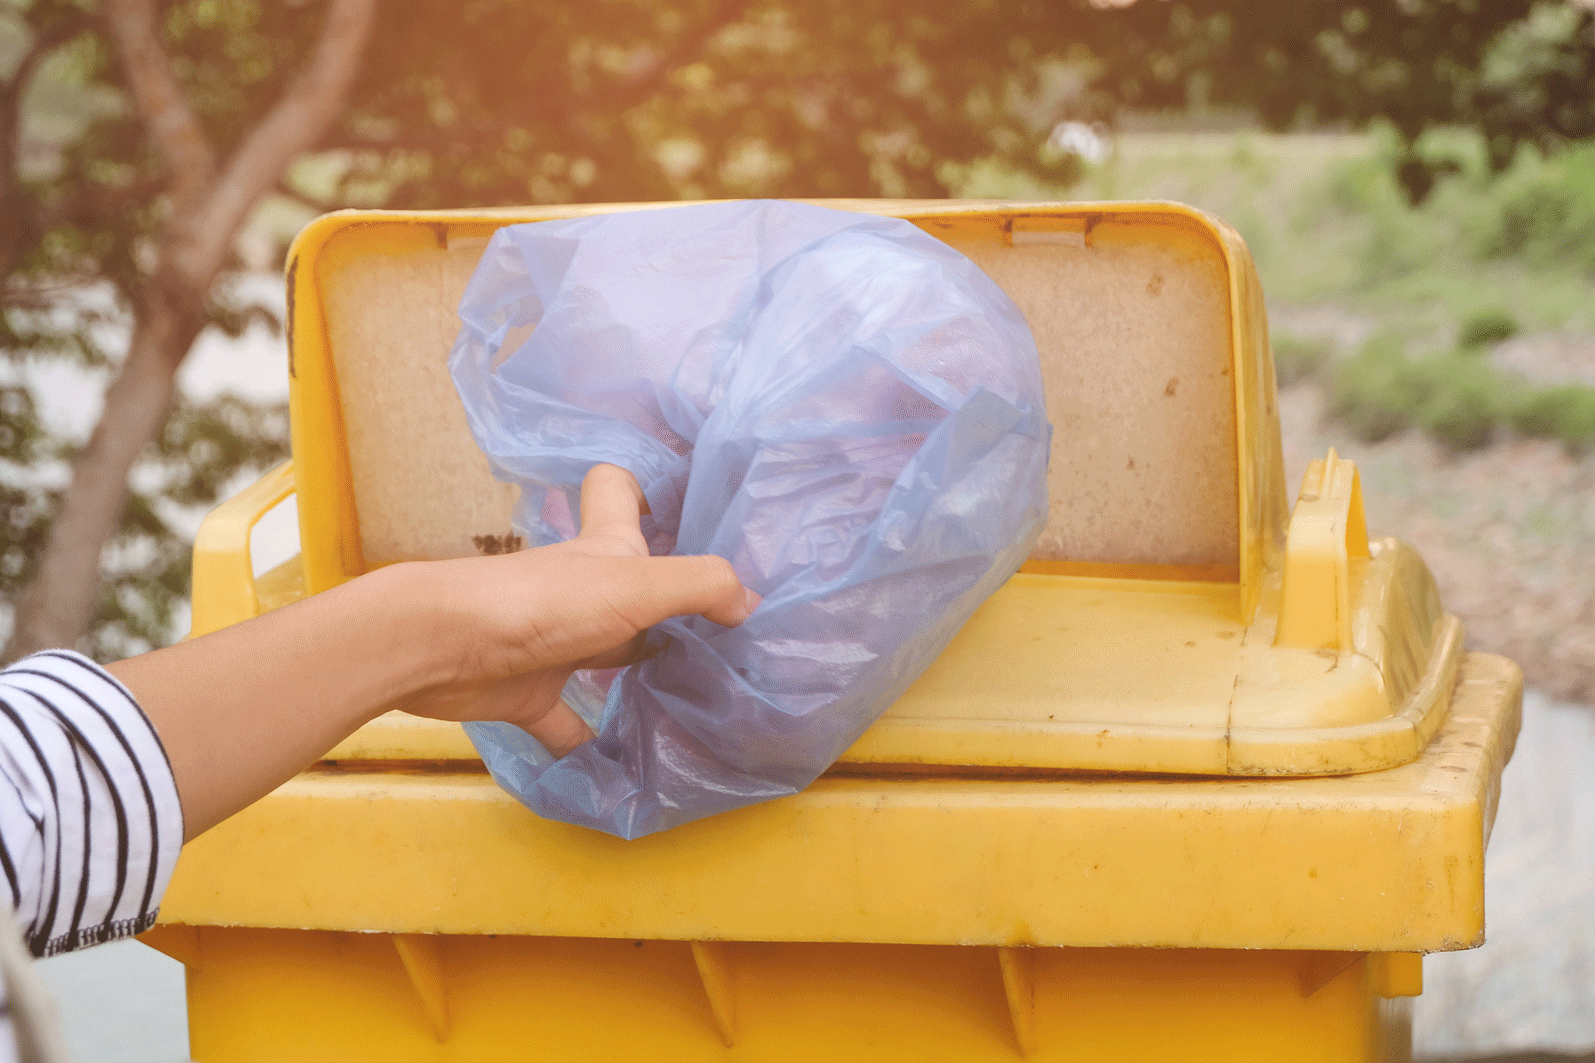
[(422, 956), (1019, 986), (1328, 532), (714, 967)]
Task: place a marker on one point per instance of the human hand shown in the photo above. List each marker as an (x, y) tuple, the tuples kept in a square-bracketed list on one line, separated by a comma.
[(241, 710), (519, 624)]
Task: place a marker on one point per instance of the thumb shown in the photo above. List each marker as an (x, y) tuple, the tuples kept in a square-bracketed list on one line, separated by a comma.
[(703, 584)]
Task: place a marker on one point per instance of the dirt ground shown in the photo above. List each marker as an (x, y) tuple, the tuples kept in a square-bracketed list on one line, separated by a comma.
[(1508, 530)]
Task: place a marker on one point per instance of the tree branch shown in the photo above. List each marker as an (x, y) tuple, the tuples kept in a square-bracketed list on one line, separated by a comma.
[(17, 222), (91, 203), (281, 188), (307, 108), (166, 113)]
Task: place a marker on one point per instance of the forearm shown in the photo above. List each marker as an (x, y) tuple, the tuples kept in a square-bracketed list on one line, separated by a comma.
[(242, 710)]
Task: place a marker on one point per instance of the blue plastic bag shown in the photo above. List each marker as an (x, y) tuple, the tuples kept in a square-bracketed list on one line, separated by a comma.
[(842, 406)]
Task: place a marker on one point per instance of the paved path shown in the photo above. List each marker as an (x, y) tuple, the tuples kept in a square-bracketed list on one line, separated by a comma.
[(120, 1003), (1532, 986)]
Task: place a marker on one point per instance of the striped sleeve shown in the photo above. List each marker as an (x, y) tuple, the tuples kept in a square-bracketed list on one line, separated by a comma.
[(90, 824)]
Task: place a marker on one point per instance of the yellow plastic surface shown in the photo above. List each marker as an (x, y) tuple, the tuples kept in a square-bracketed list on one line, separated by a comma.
[(267, 996), (1044, 850), (1204, 694), (225, 590), (1326, 557), (881, 919), (565, 944), (1262, 657), (1378, 862)]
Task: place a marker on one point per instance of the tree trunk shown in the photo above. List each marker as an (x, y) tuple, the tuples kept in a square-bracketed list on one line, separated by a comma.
[(208, 204), (58, 603)]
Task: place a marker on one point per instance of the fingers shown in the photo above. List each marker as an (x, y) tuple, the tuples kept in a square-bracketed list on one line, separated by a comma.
[(673, 586), (559, 729), (612, 502), (629, 652)]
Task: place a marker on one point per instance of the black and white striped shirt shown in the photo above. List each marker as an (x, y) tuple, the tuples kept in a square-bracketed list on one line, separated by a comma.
[(90, 824), (90, 828)]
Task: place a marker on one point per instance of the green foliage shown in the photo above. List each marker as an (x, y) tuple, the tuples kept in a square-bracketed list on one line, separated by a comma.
[(1546, 210), (1464, 403), (1381, 390), (1534, 86), (1297, 359), (1458, 399), (1377, 391), (1566, 413), (24, 508), (494, 102), (1328, 224), (204, 446), (627, 99), (1418, 269), (636, 100), (81, 206), (1517, 71), (1486, 328), (203, 451)]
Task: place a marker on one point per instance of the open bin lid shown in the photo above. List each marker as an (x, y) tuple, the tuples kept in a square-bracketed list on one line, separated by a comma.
[(1144, 634)]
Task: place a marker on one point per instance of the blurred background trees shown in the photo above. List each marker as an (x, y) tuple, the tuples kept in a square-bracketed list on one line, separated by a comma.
[(127, 222), (146, 146)]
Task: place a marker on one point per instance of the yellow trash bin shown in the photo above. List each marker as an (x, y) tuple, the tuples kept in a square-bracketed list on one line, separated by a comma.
[(1203, 782)]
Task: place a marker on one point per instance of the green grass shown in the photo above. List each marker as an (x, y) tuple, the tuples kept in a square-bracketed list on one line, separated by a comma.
[(1486, 328), (1566, 413), (1327, 223), (1455, 396), (1299, 358)]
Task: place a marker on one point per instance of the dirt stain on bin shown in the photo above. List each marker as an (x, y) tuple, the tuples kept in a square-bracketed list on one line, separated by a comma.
[(507, 543)]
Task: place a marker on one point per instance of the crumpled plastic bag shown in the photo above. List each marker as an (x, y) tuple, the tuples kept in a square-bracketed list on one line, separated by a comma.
[(844, 407)]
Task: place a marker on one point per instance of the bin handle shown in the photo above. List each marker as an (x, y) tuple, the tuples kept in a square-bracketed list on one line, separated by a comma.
[(223, 573), (1327, 533)]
